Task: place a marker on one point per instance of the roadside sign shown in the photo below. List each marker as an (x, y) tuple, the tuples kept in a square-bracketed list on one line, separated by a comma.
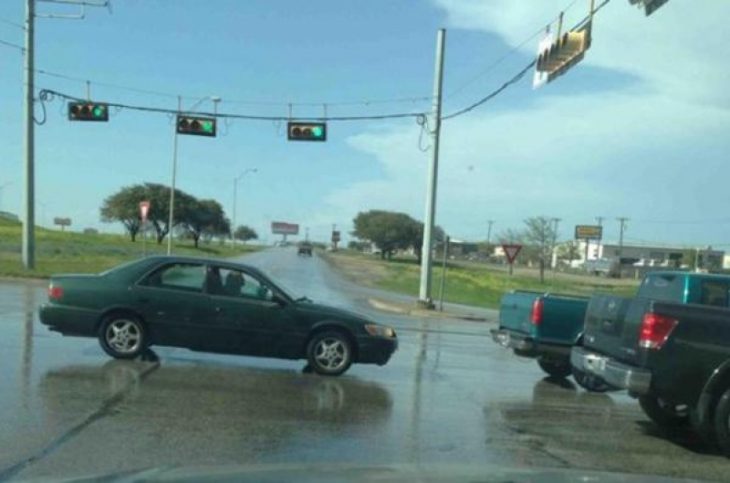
[(540, 78), (284, 228), (144, 208), (511, 252), (335, 236), (588, 232)]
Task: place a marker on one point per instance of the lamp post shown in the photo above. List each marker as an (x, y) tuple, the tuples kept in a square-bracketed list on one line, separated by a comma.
[(235, 193)]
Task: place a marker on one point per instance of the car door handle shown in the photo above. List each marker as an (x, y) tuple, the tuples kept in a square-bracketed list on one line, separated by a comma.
[(217, 309)]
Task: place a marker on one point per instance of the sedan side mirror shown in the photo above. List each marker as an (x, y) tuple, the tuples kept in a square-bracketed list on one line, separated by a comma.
[(275, 297)]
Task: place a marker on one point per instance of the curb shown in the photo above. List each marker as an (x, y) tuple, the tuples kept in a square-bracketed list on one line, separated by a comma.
[(387, 307)]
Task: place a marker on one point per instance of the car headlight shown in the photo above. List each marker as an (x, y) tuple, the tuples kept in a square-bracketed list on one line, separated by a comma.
[(380, 330)]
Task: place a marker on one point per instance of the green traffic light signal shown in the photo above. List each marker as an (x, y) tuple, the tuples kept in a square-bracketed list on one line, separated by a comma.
[(306, 131), (317, 131), (88, 111), (196, 125)]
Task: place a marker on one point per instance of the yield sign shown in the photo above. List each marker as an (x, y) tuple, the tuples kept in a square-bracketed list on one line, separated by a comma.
[(144, 208), (511, 252)]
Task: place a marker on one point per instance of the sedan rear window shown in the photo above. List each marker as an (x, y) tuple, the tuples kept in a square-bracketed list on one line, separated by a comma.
[(188, 277)]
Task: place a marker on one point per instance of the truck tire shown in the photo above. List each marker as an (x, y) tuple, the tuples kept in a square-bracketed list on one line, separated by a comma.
[(722, 423), (663, 413), (553, 368), (589, 382)]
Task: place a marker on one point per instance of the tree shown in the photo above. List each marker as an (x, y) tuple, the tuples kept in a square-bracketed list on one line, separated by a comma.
[(389, 230), (202, 216), (569, 251), (541, 234), (245, 233), (438, 236), (123, 206)]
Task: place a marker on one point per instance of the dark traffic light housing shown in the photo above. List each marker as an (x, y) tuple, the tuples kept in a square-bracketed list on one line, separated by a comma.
[(306, 131), (88, 111), (195, 125)]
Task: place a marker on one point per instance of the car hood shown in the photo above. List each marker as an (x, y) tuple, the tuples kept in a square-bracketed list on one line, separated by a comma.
[(324, 473), (334, 312)]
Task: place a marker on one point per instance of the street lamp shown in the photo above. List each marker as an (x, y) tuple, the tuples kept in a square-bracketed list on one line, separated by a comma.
[(235, 193), (215, 100)]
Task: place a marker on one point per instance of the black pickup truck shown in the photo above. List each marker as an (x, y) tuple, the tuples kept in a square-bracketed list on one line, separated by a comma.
[(669, 347)]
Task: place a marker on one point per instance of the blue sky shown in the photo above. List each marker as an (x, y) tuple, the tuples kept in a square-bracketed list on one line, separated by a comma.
[(638, 129)]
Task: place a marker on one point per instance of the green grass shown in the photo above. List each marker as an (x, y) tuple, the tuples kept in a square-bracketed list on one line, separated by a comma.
[(71, 252), (481, 286)]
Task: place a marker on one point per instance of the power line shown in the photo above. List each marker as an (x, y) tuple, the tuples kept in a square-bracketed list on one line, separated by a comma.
[(10, 44), (364, 102), (14, 24), (48, 94)]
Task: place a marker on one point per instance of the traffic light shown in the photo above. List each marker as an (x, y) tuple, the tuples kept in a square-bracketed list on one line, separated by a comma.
[(650, 6), (88, 111), (564, 53), (307, 131), (196, 126)]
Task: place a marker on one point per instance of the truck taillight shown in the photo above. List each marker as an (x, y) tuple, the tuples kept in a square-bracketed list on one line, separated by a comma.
[(655, 330), (55, 292), (537, 309)]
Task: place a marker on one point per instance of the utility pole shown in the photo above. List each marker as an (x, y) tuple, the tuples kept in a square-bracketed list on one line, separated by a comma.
[(600, 219), (174, 176), (235, 200), (424, 294), (554, 261), (489, 233), (623, 221), (29, 165)]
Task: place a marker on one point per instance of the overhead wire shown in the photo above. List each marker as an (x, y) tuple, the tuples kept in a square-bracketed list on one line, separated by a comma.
[(10, 44), (14, 24), (248, 117)]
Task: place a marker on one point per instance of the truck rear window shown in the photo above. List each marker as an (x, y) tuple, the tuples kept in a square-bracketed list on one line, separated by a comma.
[(665, 287)]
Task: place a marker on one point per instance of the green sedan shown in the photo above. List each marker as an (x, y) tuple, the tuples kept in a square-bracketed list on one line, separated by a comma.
[(210, 306)]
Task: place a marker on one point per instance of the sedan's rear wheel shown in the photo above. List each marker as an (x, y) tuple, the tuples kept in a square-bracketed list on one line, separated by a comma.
[(122, 336), (329, 353)]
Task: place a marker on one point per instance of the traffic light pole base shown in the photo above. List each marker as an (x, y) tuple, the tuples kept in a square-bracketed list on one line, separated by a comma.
[(425, 304)]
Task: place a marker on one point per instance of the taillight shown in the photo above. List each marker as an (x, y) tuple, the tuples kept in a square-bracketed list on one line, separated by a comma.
[(537, 309), (655, 330), (55, 292)]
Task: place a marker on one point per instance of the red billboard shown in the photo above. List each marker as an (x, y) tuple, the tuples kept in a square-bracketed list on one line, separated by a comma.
[(283, 228)]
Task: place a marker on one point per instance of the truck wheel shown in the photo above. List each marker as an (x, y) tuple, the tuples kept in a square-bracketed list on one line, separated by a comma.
[(722, 423), (663, 413), (553, 368), (589, 382)]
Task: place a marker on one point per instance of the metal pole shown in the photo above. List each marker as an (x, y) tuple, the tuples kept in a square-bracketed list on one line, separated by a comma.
[(553, 256), (144, 238), (174, 176), (489, 234), (233, 220), (443, 274), (424, 297), (29, 185), (623, 221)]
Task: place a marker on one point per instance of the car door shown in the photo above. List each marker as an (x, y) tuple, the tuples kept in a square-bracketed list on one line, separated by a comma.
[(174, 304), (250, 308)]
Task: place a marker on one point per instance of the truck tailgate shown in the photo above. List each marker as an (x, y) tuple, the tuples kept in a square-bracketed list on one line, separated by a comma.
[(515, 310), (612, 325)]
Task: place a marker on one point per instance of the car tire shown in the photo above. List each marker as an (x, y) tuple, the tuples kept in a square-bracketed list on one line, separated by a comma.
[(662, 413), (553, 368), (329, 353), (722, 423), (589, 382), (122, 336)]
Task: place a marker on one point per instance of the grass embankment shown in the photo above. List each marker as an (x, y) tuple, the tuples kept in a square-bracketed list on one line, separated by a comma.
[(478, 285), (72, 252)]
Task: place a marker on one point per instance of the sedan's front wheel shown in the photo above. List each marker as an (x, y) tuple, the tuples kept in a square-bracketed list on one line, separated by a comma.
[(329, 353), (122, 336)]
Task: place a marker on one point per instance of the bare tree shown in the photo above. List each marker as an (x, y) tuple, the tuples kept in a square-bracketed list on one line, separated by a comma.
[(540, 232)]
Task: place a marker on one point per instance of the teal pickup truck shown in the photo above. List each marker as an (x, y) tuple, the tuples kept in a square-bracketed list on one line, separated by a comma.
[(545, 327)]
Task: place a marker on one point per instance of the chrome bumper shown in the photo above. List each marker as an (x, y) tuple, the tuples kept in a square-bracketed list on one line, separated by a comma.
[(512, 341), (615, 373)]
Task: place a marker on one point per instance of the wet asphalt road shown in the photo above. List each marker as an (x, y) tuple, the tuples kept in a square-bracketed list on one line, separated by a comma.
[(449, 395)]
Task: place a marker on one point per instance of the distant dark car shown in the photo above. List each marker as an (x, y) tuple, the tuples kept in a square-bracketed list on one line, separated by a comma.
[(210, 306), (305, 249)]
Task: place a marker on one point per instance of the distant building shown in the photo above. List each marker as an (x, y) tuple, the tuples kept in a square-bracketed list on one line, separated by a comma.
[(654, 255)]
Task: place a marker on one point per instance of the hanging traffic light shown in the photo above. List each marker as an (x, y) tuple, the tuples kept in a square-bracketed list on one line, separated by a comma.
[(564, 53), (307, 131), (88, 111), (650, 6), (196, 126)]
